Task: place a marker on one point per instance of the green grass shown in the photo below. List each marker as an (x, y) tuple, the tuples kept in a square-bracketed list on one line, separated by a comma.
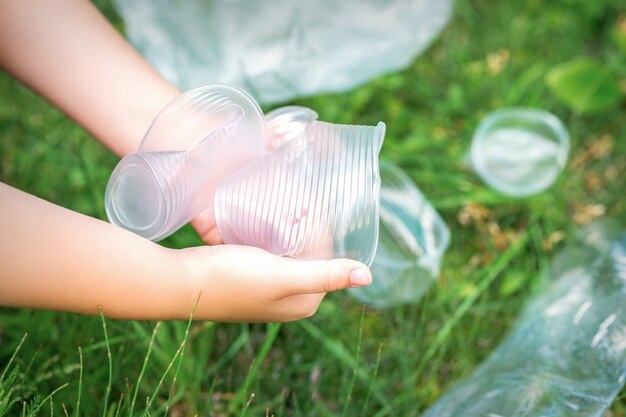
[(346, 360)]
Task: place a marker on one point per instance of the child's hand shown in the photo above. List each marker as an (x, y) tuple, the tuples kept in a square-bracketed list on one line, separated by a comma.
[(242, 283)]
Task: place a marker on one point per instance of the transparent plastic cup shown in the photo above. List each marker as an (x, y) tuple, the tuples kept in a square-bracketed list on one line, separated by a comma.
[(412, 241), (198, 139), (519, 151), (566, 357), (315, 196)]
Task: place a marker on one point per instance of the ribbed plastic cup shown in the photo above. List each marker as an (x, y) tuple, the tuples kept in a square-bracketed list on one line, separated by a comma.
[(314, 197), (197, 140), (413, 239), (520, 151)]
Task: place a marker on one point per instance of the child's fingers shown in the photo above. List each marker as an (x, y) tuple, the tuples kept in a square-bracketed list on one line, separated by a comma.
[(260, 271)]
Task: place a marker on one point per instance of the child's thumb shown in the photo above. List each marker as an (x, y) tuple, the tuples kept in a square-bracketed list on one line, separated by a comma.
[(312, 277)]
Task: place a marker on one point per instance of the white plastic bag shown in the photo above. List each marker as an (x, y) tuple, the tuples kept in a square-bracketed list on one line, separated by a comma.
[(281, 49)]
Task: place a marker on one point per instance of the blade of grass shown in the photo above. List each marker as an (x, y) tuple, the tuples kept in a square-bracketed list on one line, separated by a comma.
[(143, 368), (32, 360), (180, 361), (34, 411), (12, 358), (110, 382), (247, 405), (119, 405), (80, 382), (181, 347)]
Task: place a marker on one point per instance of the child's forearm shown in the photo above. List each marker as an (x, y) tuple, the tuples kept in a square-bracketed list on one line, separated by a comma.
[(67, 51), (54, 258)]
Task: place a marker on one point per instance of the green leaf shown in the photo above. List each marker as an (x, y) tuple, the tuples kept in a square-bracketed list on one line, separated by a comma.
[(584, 85)]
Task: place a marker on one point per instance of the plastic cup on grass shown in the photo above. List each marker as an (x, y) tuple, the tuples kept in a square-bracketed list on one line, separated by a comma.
[(412, 242), (518, 151)]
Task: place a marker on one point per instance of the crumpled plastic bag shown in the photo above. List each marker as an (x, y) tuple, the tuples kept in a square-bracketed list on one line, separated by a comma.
[(281, 49), (567, 355)]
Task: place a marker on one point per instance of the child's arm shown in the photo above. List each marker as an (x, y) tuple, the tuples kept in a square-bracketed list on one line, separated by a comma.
[(53, 258), (70, 54)]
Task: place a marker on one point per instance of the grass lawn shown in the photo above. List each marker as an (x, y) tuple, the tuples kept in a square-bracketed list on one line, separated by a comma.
[(348, 359)]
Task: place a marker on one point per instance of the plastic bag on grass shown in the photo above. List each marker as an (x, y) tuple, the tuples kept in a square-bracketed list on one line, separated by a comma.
[(281, 49), (567, 355)]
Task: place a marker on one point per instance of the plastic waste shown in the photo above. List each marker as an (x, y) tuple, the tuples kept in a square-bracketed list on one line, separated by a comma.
[(520, 151), (281, 49), (286, 183), (567, 355), (197, 140), (412, 241), (314, 197)]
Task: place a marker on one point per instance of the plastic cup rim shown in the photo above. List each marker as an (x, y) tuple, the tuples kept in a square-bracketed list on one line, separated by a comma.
[(117, 215), (231, 89)]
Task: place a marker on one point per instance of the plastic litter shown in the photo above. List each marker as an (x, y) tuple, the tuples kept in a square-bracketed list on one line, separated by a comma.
[(286, 183), (520, 151), (567, 355), (196, 141), (413, 239), (281, 49), (315, 197)]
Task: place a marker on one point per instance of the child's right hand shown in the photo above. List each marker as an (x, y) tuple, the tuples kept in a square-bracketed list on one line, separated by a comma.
[(242, 283)]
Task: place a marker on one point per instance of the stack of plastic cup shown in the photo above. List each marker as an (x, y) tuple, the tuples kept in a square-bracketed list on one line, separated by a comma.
[(197, 140), (520, 151), (285, 183), (314, 197), (412, 242)]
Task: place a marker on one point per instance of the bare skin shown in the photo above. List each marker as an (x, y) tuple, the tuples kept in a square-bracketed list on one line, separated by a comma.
[(53, 258)]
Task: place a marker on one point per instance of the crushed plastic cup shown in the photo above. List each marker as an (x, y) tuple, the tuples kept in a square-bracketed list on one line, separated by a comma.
[(566, 357), (520, 151), (316, 196), (412, 241), (198, 139)]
